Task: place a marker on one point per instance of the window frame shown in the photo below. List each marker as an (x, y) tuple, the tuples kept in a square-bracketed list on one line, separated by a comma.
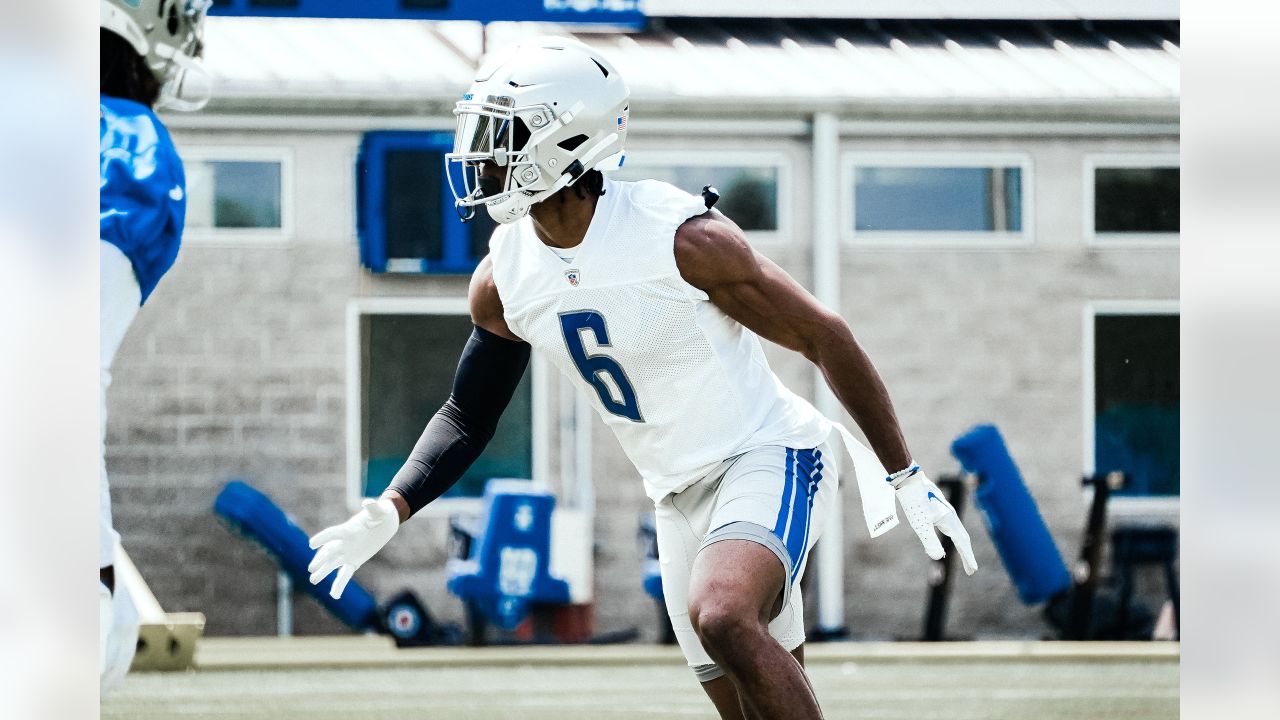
[(247, 153), (730, 158), (370, 199), (1094, 161), (1121, 509), (900, 239), (357, 308)]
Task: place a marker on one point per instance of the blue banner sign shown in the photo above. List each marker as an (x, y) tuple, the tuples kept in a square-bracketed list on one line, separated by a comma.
[(624, 13)]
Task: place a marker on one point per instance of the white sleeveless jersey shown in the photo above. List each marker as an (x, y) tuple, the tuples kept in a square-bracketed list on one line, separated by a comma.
[(682, 385)]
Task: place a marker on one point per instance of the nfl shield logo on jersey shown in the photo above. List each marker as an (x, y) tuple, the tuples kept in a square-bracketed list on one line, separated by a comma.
[(572, 276)]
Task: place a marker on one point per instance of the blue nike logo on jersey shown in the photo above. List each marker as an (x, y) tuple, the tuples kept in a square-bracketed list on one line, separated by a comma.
[(933, 497)]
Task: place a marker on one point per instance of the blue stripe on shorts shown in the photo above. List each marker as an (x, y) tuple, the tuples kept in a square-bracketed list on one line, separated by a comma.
[(803, 474)]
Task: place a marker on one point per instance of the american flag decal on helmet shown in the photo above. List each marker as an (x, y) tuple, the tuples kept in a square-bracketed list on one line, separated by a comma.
[(622, 122)]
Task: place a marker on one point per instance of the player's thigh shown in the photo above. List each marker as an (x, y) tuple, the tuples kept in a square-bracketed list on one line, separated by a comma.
[(741, 578), (768, 497), (789, 491), (680, 528), (740, 566), (779, 498)]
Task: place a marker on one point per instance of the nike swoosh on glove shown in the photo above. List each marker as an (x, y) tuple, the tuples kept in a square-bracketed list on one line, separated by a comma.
[(926, 510), (347, 546)]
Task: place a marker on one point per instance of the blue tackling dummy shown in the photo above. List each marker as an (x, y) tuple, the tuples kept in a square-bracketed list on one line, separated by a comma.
[(253, 514), (1017, 530)]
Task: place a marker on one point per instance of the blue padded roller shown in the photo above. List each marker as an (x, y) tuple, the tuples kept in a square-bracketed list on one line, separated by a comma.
[(255, 516), (1026, 548)]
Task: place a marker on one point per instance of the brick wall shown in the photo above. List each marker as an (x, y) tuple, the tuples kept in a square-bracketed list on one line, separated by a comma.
[(236, 368)]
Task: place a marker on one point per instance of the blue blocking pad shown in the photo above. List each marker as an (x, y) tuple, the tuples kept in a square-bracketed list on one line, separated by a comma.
[(508, 569), (1018, 531)]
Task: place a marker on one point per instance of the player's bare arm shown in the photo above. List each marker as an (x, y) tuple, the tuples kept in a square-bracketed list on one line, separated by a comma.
[(714, 256), (486, 306)]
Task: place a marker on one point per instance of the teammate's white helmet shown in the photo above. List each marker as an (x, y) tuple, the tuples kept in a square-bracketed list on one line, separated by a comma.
[(167, 34), (565, 98)]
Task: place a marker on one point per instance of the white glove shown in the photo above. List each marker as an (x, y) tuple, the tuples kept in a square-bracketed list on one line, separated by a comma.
[(926, 509), (347, 546)]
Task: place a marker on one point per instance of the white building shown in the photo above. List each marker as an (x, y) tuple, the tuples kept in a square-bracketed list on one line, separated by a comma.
[(992, 204)]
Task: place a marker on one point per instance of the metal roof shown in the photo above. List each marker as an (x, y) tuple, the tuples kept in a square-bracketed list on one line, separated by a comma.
[(693, 62), (922, 9)]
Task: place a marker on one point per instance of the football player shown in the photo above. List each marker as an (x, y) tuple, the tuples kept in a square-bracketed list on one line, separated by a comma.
[(149, 60), (654, 306)]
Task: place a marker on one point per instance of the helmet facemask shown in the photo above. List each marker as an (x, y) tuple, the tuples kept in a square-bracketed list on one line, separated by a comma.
[(187, 85), (167, 34), (493, 130)]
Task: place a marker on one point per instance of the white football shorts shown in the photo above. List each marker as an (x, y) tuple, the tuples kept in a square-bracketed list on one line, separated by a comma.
[(777, 496)]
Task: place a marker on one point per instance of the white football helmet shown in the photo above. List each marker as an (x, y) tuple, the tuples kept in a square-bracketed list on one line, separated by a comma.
[(548, 109), (167, 34)]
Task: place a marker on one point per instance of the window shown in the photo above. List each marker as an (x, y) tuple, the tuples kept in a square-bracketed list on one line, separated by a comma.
[(1132, 199), (749, 186), (237, 194), (949, 199), (406, 352), (407, 221), (1133, 411)]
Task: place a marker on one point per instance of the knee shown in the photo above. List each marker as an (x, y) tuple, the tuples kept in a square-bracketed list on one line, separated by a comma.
[(721, 625)]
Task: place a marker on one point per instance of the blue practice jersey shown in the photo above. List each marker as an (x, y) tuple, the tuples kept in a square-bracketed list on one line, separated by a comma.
[(143, 190)]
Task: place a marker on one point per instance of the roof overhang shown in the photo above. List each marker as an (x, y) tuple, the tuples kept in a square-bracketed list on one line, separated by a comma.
[(692, 67), (920, 9)]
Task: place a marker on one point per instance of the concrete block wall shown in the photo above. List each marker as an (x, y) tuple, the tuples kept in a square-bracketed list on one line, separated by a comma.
[(237, 368)]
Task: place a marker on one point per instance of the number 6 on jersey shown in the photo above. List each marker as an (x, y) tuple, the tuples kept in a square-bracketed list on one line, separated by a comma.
[(594, 368)]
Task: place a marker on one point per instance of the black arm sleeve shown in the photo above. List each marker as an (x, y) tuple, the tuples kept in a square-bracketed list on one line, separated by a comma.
[(488, 373)]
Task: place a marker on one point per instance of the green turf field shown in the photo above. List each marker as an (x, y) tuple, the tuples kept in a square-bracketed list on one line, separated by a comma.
[(325, 680)]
